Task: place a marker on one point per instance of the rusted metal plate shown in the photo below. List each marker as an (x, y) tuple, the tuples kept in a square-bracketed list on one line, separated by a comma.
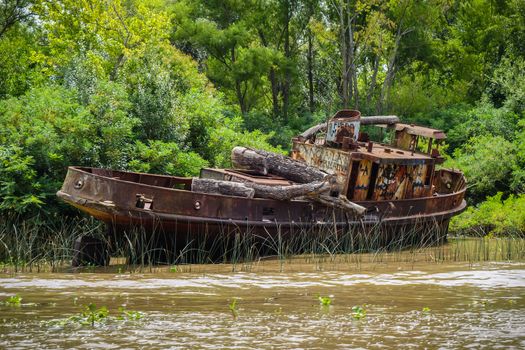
[(417, 181), (330, 160), (363, 180), (404, 140), (337, 128), (115, 195), (387, 154), (390, 182), (449, 181), (344, 123)]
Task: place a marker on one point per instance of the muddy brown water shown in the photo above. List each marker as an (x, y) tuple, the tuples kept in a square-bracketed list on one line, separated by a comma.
[(409, 301)]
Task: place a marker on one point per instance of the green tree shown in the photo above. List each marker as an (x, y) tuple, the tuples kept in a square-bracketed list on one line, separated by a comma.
[(230, 134), (17, 69), (42, 132), (488, 162), (222, 30), (13, 12)]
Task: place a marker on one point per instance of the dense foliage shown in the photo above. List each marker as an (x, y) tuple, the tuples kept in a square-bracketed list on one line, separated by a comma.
[(100, 84), (169, 86)]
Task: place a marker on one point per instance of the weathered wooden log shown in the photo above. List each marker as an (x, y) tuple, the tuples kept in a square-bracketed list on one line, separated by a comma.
[(245, 158), (289, 192), (315, 191), (339, 202), (250, 189), (379, 119), (276, 164), (221, 187)]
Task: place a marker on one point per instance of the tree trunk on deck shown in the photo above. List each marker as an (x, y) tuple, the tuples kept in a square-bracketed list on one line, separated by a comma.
[(267, 162), (315, 183), (250, 189), (315, 191), (339, 202), (221, 187), (379, 119)]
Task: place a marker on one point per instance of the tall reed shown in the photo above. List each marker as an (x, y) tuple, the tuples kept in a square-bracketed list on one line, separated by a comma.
[(38, 243), (35, 244)]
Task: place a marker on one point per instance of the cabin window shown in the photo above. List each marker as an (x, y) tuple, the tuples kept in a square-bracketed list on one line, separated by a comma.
[(373, 178), (353, 179), (428, 177)]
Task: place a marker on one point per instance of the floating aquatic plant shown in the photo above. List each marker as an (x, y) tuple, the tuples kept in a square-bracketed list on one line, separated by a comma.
[(358, 312), (233, 308), (129, 314), (91, 315), (325, 301), (14, 300), (426, 309)]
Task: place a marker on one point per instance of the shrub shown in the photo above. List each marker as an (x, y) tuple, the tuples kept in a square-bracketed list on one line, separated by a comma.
[(230, 134), (165, 158), (41, 133), (487, 162), (494, 216), (47, 129)]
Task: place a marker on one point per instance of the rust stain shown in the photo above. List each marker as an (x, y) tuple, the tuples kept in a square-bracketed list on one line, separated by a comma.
[(363, 180), (330, 160), (390, 182)]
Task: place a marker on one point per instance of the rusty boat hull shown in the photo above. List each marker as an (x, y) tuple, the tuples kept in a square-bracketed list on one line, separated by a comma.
[(165, 204), (386, 194)]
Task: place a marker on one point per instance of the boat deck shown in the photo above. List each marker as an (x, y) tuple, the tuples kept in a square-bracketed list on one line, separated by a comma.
[(386, 153)]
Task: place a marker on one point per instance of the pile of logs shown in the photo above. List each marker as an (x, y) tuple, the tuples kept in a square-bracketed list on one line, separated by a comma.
[(312, 183)]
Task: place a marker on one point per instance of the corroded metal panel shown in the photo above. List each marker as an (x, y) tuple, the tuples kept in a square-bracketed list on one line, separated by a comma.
[(417, 177), (330, 160), (400, 191), (420, 131), (363, 180), (347, 127), (390, 182), (344, 123)]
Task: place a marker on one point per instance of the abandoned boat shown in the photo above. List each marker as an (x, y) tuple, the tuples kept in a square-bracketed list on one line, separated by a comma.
[(394, 186)]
